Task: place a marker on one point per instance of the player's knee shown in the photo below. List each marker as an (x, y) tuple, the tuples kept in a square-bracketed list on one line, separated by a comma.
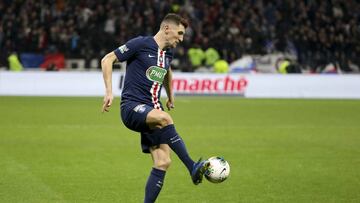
[(165, 120), (163, 164)]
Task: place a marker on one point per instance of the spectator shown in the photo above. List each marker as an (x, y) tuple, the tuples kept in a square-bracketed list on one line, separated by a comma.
[(196, 56), (221, 66), (14, 62)]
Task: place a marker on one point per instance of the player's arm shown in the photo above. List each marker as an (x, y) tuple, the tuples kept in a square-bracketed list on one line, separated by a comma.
[(168, 87), (122, 53), (106, 66)]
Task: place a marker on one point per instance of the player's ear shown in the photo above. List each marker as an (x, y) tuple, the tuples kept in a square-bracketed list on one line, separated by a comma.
[(166, 28)]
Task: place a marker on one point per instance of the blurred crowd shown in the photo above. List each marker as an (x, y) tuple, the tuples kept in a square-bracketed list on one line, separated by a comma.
[(317, 32)]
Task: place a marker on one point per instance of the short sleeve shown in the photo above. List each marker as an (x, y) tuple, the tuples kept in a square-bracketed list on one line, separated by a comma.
[(124, 52)]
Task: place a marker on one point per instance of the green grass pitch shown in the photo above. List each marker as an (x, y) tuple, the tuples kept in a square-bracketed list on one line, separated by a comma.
[(64, 150)]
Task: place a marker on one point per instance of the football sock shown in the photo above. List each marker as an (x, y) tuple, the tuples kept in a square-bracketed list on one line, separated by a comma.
[(154, 185), (173, 139)]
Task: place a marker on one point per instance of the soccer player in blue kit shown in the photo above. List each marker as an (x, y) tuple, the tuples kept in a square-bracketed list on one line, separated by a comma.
[(148, 68)]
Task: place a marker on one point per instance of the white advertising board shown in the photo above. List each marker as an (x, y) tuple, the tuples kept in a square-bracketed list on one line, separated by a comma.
[(52, 83), (250, 86)]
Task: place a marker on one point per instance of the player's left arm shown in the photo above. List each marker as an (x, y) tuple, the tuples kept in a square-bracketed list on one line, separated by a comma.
[(168, 87)]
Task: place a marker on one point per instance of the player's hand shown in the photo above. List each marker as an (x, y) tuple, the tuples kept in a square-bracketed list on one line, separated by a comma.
[(170, 103), (107, 102)]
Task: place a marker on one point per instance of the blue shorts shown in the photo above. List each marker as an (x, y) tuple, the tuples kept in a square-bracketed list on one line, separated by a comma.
[(133, 115)]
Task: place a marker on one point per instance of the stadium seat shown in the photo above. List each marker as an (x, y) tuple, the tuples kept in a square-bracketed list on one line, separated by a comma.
[(75, 64), (53, 62), (31, 60)]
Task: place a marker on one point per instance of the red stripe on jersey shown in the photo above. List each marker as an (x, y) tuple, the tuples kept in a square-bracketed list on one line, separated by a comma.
[(161, 61), (156, 85), (155, 89)]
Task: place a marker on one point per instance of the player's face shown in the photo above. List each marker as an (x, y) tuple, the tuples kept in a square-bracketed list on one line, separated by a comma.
[(174, 34)]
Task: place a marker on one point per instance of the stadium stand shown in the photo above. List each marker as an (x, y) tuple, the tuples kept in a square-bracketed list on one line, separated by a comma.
[(316, 32)]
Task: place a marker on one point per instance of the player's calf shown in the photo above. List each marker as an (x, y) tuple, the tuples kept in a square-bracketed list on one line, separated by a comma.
[(162, 164)]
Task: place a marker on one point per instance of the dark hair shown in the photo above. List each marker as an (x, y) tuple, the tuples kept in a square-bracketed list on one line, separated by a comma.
[(175, 18)]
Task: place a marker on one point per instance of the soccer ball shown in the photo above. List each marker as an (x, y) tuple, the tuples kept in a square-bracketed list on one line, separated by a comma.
[(218, 170)]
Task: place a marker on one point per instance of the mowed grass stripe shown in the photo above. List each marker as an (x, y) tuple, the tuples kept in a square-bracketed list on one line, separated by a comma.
[(27, 187)]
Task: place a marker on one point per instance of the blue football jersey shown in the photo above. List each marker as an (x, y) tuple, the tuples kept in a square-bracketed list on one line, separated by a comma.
[(146, 68)]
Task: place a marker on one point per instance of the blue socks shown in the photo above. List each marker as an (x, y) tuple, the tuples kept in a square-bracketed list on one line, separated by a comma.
[(169, 136), (154, 185), (155, 181)]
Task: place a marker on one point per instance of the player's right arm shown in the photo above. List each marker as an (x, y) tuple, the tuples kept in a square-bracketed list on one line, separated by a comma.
[(122, 53), (106, 66)]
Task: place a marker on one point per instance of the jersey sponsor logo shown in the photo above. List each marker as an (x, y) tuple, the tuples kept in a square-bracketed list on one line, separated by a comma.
[(123, 48), (156, 74), (140, 108), (151, 56)]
